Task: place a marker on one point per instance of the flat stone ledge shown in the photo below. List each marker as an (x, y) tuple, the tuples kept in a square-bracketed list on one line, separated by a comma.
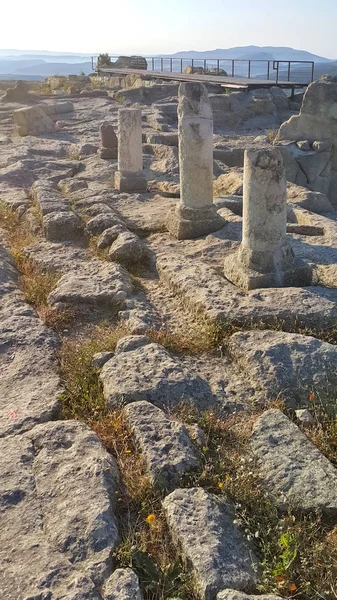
[(58, 490), (235, 595), (293, 470), (96, 284), (204, 291)]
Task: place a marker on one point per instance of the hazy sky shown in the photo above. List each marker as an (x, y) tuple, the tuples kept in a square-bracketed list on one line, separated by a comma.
[(167, 26)]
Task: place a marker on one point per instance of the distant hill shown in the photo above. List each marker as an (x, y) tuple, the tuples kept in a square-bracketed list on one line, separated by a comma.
[(254, 52)]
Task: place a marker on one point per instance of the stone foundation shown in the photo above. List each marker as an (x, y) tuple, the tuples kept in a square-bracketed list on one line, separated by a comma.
[(190, 223), (282, 269), (127, 181)]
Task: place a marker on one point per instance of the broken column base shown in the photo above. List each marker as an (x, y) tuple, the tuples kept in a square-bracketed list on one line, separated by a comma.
[(108, 153), (251, 271), (190, 223), (127, 181)]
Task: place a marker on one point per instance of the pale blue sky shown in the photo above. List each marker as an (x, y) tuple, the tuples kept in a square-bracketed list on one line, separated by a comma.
[(167, 26)]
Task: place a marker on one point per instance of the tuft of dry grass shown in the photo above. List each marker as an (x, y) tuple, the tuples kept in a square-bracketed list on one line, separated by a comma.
[(35, 282), (271, 135), (57, 320), (83, 397)]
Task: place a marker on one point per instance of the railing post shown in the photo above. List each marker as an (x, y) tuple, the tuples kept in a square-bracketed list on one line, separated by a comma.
[(181, 65), (268, 70), (217, 69), (171, 65), (152, 63), (233, 68), (312, 71), (249, 69), (277, 70), (205, 62), (289, 71), (192, 66)]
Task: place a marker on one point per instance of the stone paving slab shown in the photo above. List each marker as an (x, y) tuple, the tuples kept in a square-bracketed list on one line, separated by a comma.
[(293, 470), (289, 366), (166, 447), (30, 387), (151, 373), (202, 527), (58, 530)]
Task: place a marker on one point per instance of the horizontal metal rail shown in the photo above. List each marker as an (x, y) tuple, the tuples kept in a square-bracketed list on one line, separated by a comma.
[(279, 71)]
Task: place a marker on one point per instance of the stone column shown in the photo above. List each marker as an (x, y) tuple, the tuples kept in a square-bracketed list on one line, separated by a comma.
[(195, 215), (265, 257), (109, 141), (130, 177)]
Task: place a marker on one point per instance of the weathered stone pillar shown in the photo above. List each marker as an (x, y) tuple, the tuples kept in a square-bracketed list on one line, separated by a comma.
[(265, 257), (195, 215), (109, 141), (130, 177)]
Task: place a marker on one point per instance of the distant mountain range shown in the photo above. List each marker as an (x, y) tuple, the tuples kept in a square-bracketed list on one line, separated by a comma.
[(38, 64), (254, 53)]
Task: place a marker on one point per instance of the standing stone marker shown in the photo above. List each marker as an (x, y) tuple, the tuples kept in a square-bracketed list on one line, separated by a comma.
[(195, 215), (265, 257), (130, 177), (109, 141)]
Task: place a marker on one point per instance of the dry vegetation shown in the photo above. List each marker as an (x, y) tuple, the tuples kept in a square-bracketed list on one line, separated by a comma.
[(298, 553), (35, 282)]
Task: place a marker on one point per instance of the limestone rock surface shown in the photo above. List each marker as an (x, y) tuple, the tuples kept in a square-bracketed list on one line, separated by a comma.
[(202, 527), (97, 284), (150, 373), (122, 585), (293, 470), (287, 365), (30, 387), (58, 226), (58, 526), (235, 595), (166, 447), (33, 121), (128, 249)]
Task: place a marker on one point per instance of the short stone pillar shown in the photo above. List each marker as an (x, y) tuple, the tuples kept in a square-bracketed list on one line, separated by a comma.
[(265, 257), (195, 215), (109, 141), (130, 177)]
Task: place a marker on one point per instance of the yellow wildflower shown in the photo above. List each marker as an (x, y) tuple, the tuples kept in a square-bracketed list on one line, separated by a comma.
[(151, 519)]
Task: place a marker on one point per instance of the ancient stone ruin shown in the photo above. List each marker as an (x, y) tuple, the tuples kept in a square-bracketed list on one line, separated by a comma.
[(265, 257), (195, 215), (168, 310), (129, 177)]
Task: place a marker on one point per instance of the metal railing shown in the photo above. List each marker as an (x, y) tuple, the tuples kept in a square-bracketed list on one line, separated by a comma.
[(299, 71)]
